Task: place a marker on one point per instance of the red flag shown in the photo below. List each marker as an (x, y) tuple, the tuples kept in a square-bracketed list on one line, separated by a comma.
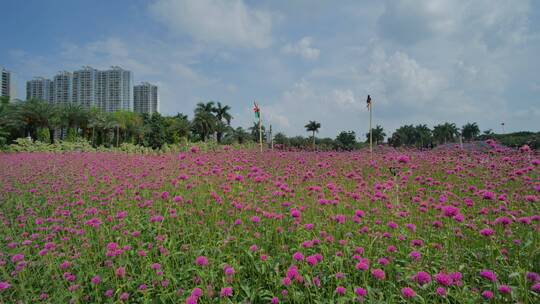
[(256, 110)]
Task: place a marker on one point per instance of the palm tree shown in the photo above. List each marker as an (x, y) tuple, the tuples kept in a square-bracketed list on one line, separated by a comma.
[(205, 107), (125, 119), (403, 136), (254, 130), (378, 135), (445, 132), (133, 121), (177, 127), (38, 114), (470, 131), (240, 135), (424, 136), (96, 121), (281, 139), (313, 126), (71, 116), (222, 113), (204, 122), (10, 121), (109, 125)]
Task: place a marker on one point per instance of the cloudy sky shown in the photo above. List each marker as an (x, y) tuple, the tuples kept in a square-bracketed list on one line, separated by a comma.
[(423, 61)]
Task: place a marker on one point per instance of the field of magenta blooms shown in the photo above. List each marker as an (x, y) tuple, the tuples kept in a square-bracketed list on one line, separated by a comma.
[(282, 227)]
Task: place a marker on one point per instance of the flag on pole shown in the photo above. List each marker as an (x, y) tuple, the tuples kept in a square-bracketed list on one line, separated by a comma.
[(368, 101), (257, 111)]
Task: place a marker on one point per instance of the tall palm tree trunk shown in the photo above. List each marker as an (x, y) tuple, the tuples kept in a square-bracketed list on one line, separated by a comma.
[(313, 140), (93, 133)]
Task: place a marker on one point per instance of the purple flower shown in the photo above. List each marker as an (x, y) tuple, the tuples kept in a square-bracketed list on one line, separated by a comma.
[(403, 159), (226, 292), (378, 274), (487, 232), (298, 256), (489, 275), (196, 292), (505, 289), (487, 294), (340, 290), (422, 278), (165, 195), (201, 261), (408, 292), (533, 277), (96, 280), (443, 279), (312, 260), (4, 286), (120, 272), (415, 255), (229, 271), (360, 292), (17, 257), (124, 296)]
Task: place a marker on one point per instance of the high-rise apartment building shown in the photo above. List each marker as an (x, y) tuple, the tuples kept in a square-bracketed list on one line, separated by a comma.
[(40, 88), (114, 89), (85, 87), (63, 87), (7, 85), (146, 99), (110, 90)]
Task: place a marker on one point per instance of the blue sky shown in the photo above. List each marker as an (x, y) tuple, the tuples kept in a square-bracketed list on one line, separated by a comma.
[(422, 61)]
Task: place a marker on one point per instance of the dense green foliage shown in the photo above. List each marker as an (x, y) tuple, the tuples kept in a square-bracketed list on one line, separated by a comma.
[(52, 123), (516, 139)]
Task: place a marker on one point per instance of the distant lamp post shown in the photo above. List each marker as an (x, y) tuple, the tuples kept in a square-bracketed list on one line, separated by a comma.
[(502, 126)]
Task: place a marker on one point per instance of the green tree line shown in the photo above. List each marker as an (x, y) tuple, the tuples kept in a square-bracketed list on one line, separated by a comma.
[(211, 120)]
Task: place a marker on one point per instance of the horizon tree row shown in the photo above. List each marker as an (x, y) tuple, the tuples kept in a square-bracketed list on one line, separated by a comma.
[(48, 122)]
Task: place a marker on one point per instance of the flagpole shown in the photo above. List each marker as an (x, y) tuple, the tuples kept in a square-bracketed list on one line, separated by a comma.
[(271, 139), (370, 131), (260, 130)]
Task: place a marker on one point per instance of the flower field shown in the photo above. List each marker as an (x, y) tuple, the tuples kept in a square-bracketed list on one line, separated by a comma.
[(445, 226)]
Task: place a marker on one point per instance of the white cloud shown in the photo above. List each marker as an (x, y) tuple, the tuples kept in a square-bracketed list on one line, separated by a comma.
[(305, 101), (303, 48), (400, 74), (429, 61), (104, 53), (224, 22), (491, 22), (344, 98), (176, 72)]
